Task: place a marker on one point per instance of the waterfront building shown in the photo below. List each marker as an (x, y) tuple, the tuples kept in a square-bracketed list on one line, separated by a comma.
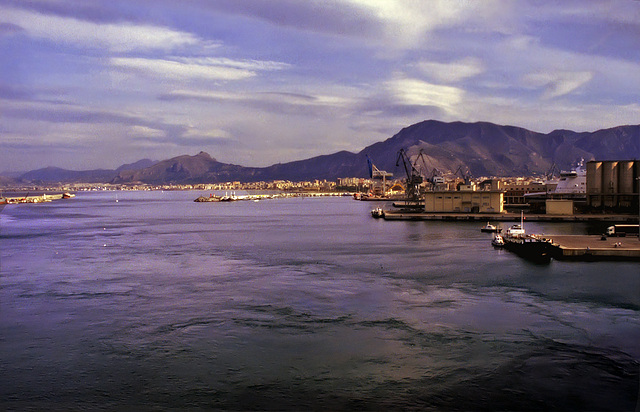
[(516, 192), (613, 185), (464, 201)]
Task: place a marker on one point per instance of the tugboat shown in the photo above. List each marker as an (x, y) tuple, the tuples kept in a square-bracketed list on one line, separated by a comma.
[(377, 213), (497, 241)]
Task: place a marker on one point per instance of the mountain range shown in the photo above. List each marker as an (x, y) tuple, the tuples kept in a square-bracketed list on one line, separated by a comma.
[(479, 149)]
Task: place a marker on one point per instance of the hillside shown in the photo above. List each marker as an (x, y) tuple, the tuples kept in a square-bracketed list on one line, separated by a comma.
[(484, 149)]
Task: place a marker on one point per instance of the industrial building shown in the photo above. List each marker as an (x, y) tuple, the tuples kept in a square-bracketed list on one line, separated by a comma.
[(612, 185), (464, 201)]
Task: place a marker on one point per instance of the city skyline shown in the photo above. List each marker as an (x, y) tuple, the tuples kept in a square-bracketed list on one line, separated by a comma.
[(88, 85)]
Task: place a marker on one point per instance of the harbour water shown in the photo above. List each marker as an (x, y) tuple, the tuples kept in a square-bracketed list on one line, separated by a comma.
[(155, 302)]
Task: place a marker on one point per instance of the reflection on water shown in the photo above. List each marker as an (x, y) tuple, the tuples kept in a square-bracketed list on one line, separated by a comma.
[(156, 302)]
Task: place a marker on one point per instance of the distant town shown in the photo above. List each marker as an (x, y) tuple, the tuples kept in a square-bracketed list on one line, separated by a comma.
[(597, 187)]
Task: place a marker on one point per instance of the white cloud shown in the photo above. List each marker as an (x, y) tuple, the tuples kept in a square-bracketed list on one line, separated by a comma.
[(117, 37), (282, 98), (198, 133), (452, 72), (258, 65), (145, 132), (179, 70), (557, 84), (420, 93), (407, 22)]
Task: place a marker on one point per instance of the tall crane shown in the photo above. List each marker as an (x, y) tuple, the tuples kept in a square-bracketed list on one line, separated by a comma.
[(465, 176), (377, 174), (413, 180), (434, 177)]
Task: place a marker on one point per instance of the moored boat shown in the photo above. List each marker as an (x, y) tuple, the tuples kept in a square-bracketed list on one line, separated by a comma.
[(377, 212), (515, 230), (530, 247), (490, 228), (497, 241)]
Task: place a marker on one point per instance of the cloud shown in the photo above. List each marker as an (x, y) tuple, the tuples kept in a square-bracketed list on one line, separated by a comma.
[(416, 92), (116, 37), (138, 131), (278, 102), (557, 84), (394, 24), (453, 72), (198, 137), (181, 70)]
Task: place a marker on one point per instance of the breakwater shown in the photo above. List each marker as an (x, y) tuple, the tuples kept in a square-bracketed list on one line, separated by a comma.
[(43, 198)]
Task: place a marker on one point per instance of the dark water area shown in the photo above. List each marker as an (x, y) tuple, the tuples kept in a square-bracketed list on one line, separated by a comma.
[(155, 302)]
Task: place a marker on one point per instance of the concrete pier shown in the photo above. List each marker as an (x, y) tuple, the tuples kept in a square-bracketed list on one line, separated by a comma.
[(506, 217), (33, 199), (592, 247)]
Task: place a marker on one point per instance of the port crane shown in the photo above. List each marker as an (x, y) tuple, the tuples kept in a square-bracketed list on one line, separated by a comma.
[(414, 178), (435, 177), (465, 176), (553, 170), (377, 174)]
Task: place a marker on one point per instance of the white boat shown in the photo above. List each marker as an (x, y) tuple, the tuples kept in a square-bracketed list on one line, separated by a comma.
[(490, 228), (377, 212), (497, 241), (516, 230)]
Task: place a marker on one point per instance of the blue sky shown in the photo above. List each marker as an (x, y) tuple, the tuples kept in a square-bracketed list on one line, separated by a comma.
[(94, 83)]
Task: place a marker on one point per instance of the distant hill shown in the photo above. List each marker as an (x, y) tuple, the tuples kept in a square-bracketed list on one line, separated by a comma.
[(186, 169), (140, 164), (56, 174), (5, 181), (483, 149), (487, 149)]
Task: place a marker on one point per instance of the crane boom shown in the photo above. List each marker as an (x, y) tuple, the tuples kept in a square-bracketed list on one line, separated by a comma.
[(413, 179)]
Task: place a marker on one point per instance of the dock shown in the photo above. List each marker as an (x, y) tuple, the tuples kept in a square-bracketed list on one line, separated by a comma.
[(35, 198), (506, 217), (595, 247)]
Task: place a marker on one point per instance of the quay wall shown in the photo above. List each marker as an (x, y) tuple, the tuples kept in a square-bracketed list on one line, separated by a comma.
[(507, 217), (588, 247)]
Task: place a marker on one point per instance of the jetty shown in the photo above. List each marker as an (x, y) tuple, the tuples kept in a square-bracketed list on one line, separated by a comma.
[(506, 217), (35, 198), (594, 247)]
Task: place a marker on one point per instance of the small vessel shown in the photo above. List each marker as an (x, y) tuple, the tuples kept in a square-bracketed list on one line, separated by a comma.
[(211, 198), (516, 230), (531, 247), (497, 241), (377, 212), (491, 228)]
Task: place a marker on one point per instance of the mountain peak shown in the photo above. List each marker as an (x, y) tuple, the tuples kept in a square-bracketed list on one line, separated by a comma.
[(205, 155)]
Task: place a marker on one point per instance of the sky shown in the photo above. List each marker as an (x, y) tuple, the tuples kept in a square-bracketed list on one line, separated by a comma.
[(87, 84)]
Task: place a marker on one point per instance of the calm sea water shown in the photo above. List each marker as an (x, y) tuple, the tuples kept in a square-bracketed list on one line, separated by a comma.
[(155, 302)]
